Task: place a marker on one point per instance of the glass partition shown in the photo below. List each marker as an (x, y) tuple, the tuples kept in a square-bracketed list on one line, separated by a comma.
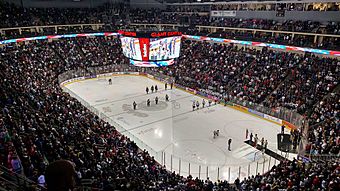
[(172, 158)]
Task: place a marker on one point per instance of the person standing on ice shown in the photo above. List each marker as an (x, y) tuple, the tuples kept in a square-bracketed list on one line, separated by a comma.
[(134, 105), (282, 129), (229, 144), (166, 86), (209, 102), (152, 88), (203, 103), (148, 102), (251, 137), (110, 81), (215, 134), (193, 106), (147, 90), (156, 100), (256, 139), (247, 132), (166, 97), (197, 104), (156, 88)]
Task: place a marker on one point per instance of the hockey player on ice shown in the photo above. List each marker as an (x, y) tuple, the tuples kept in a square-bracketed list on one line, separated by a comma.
[(110, 81), (134, 105), (203, 103), (256, 139), (216, 133), (229, 144), (166, 97)]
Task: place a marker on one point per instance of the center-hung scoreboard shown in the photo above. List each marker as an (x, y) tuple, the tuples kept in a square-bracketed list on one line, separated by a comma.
[(151, 49)]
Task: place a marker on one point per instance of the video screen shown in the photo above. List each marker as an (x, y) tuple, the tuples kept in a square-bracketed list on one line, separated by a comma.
[(151, 49), (131, 48), (164, 48), (152, 63)]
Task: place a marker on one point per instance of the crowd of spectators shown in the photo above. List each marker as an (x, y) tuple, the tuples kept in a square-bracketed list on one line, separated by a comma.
[(324, 126), (281, 80), (293, 175), (220, 65), (116, 16), (34, 109), (45, 124), (39, 123), (14, 16), (310, 80)]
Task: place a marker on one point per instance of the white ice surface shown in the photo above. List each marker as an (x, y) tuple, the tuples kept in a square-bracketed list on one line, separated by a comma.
[(175, 134)]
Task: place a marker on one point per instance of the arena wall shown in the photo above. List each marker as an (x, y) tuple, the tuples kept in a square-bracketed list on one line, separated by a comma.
[(62, 3), (322, 16), (147, 4)]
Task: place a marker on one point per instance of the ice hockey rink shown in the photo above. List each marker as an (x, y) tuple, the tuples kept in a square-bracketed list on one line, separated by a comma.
[(179, 138)]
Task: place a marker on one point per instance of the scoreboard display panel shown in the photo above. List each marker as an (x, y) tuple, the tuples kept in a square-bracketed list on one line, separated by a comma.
[(151, 47), (164, 48), (131, 48), (152, 63)]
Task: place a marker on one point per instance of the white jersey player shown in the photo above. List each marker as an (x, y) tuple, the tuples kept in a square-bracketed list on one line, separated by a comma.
[(216, 133)]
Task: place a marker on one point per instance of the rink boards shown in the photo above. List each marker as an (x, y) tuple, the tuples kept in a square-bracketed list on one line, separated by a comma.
[(178, 137)]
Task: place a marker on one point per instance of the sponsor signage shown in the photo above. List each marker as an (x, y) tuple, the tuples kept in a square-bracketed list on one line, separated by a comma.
[(271, 118), (255, 112), (223, 13)]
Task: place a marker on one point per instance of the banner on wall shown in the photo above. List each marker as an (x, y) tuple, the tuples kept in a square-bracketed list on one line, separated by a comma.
[(223, 13)]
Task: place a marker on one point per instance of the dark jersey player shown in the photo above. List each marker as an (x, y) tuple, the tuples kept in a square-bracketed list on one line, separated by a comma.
[(134, 105)]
